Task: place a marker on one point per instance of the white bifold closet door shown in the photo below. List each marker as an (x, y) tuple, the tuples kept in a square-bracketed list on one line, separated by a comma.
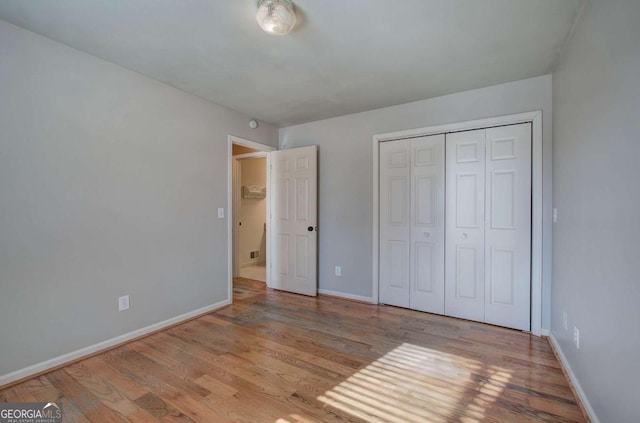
[(488, 233), (412, 223)]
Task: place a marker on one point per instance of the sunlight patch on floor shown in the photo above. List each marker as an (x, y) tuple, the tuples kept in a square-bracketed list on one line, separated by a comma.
[(417, 384)]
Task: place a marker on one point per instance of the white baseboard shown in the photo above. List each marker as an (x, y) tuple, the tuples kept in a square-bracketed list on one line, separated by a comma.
[(345, 295), (574, 381), (252, 264), (544, 332), (104, 345)]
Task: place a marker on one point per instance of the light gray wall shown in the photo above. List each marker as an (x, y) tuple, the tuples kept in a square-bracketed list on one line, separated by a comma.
[(346, 167), (109, 184), (596, 249)]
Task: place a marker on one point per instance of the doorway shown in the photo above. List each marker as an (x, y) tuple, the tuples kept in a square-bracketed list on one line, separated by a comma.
[(248, 210), (250, 214), (291, 233)]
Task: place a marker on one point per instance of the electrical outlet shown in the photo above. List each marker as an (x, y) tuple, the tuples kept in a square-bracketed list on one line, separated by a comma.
[(220, 213), (123, 303), (565, 321), (252, 254), (576, 336), (338, 271)]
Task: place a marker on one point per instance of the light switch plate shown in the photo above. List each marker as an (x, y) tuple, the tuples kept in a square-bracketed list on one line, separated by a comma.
[(220, 213)]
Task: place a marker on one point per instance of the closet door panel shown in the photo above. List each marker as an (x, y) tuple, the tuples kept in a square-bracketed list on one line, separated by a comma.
[(427, 224), (465, 210), (395, 194), (508, 226)]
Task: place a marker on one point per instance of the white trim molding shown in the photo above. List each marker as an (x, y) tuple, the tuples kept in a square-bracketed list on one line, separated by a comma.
[(105, 345), (345, 295), (263, 150), (250, 155), (535, 118), (582, 397)]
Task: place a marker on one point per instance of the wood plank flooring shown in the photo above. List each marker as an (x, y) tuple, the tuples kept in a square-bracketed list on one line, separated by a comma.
[(279, 357)]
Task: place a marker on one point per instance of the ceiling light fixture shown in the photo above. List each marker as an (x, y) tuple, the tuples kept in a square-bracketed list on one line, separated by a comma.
[(276, 17)]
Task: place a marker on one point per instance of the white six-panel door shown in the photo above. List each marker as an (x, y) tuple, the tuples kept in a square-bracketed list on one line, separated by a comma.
[(412, 223), (426, 262), (465, 225), (293, 196), (395, 176), (508, 226), (488, 238)]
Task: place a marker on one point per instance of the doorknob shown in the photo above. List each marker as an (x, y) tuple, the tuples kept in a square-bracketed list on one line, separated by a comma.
[(465, 236), (427, 234), (310, 228)]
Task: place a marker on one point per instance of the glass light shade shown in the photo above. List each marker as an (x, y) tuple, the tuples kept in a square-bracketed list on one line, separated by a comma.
[(276, 17)]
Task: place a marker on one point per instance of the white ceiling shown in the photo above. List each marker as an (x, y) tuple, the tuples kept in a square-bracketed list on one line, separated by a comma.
[(345, 56)]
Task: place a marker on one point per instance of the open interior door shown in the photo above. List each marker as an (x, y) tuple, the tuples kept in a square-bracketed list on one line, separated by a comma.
[(294, 220)]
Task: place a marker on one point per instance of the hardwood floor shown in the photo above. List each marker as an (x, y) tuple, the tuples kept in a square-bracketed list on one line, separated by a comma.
[(279, 357)]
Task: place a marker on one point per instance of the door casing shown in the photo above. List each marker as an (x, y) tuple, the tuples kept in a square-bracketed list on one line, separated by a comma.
[(535, 118)]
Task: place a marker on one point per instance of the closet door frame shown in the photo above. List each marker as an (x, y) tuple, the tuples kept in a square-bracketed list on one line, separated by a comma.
[(535, 118)]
